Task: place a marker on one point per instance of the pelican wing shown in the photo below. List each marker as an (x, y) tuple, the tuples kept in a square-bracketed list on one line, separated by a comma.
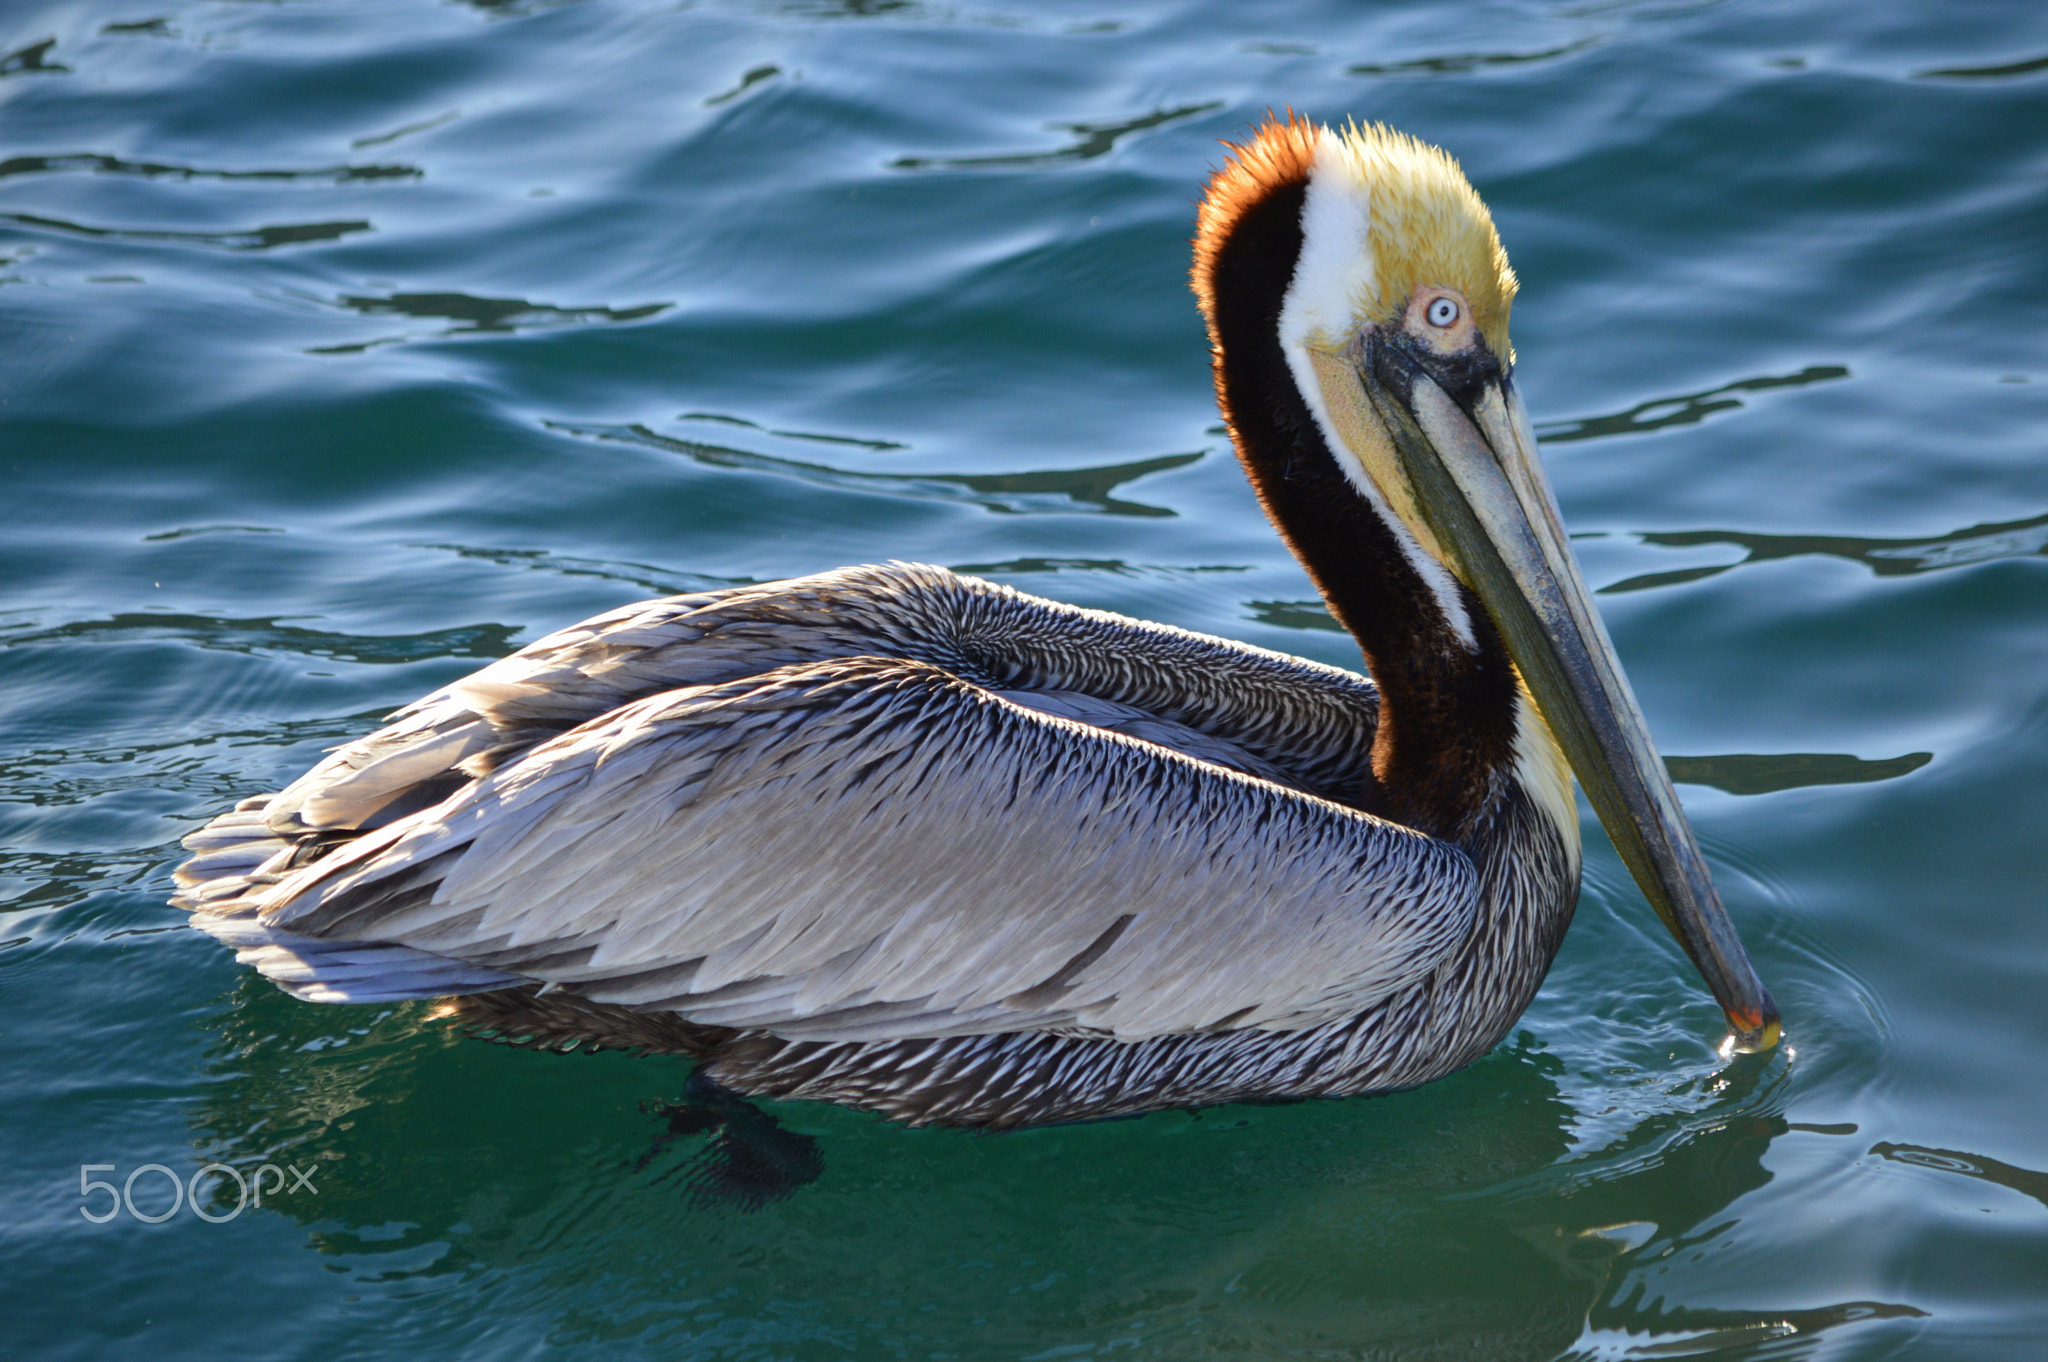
[(874, 848), (1282, 716)]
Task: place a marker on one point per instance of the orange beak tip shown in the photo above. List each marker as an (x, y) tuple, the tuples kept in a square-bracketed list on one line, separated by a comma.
[(1755, 1032)]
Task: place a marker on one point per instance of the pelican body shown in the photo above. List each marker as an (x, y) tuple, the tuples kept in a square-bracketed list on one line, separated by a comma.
[(922, 844)]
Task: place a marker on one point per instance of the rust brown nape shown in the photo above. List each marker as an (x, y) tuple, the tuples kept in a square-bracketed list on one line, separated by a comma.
[(1281, 153)]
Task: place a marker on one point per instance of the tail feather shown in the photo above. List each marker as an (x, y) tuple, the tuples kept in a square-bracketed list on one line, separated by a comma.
[(227, 854), (315, 970), (236, 857)]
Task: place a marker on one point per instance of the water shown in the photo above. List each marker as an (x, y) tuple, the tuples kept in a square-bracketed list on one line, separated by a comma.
[(351, 344)]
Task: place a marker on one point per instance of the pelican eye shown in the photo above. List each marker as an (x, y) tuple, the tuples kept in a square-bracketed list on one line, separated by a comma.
[(1442, 312)]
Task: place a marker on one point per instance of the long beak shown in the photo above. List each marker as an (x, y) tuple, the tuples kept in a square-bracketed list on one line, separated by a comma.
[(1478, 486)]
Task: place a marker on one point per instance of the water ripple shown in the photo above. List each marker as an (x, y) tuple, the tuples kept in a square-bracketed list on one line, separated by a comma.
[(1745, 773), (254, 239), (660, 581), (2032, 66), (1638, 1328), (115, 165), (476, 315), (488, 641), (1688, 409), (33, 60), (1051, 491), (1465, 63), (408, 130), (1090, 141), (1886, 557), (2025, 1181), (746, 83)]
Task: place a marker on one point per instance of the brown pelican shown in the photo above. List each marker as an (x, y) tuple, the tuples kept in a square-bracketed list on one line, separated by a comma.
[(922, 844)]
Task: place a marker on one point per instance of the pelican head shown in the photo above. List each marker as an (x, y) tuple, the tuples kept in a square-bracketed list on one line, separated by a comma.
[(1357, 297)]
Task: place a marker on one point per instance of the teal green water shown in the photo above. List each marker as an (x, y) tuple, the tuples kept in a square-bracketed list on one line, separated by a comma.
[(344, 346)]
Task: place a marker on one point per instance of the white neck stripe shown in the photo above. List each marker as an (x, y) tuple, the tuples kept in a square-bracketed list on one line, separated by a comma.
[(1331, 278)]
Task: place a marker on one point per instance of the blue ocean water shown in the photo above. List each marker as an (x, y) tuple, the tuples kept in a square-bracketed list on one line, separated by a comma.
[(350, 345)]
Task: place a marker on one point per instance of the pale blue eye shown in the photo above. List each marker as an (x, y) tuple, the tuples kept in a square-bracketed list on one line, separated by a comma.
[(1442, 312)]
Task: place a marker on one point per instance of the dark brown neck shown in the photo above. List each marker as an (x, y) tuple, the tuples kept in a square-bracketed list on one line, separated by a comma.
[(1447, 717)]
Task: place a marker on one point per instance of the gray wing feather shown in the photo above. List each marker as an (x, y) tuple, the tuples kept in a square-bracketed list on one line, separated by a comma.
[(868, 848), (320, 971), (1134, 722), (1257, 711)]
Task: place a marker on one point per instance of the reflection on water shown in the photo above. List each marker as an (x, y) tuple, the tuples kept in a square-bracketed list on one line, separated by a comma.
[(477, 315), (747, 82), (1743, 773), (1463, 63), (2022, 1180), (452, 1160), (1114, 567), (848, 9), (1652, 1333), (115, 165), (2007, 71), (1295, 615), (1035, 493), (1688, 409), (490, 641), (193, 531), (255, 239), (1090, 140), (1886, 557), (1717, 1157), (33, 59), (819, 437), (516, 7), (424, 125), (659, 581)]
